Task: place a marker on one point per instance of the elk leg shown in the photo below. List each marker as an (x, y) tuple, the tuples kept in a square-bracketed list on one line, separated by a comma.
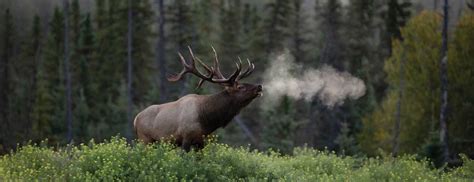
[(198, 145), (145, 139), (186, 145)]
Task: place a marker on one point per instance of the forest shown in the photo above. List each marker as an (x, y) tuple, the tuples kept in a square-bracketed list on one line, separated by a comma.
[(359, 78)]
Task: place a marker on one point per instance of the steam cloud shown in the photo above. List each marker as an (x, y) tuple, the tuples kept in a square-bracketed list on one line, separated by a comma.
[(285, 77)]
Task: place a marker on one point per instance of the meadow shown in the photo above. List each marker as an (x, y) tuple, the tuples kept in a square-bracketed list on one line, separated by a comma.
[(117, 160)]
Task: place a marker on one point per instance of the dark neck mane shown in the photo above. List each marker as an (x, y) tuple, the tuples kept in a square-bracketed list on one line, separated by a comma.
[(218, 110)]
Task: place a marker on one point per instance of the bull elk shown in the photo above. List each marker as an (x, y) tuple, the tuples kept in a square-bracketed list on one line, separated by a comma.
[(188, 120)]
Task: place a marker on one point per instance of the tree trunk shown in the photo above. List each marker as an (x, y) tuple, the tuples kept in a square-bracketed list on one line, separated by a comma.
[(396, 128), (129, 72), (67, 73), (443, 130), (160, 58)]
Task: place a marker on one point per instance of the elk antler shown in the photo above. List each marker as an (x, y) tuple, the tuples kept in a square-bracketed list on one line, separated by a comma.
[(212, 71)]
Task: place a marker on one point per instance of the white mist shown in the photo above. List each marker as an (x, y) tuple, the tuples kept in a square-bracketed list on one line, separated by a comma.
[(331, 87)]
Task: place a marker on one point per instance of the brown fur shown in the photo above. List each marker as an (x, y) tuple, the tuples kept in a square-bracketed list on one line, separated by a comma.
[(189, 119)]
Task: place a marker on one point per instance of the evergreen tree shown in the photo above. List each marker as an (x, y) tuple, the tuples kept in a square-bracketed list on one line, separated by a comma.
[(298, 32), (252, 41), (7, 34), (75, 37), (363, 60), (110, 59), (75, 17), (67, 71), (327, 121), (206, 26), (24, 73), (86, 88), (395, 17), (230, 32), (160, 55), (49, 103), (332, 51), (143, 35), (280, 126), (181, 35), (100, 13), (277, 24), (181, 32), (346, 141)]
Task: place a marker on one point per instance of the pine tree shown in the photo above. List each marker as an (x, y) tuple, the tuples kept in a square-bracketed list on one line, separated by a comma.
[(75, 18), (181, 35), (110, 59), (277, 24), (7, 44), (346, 141), (143, 35), (332, 51), (280, 126), (230, 32), (130, 10), (181, 32), (67, 72), (160, 53), (49, 103), (86, 87), (298, 32), (24, 85), (363, 59), (327, 121), (253, 35), (395, 17)]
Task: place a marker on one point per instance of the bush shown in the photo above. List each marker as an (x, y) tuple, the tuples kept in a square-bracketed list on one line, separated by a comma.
[(115, 160)]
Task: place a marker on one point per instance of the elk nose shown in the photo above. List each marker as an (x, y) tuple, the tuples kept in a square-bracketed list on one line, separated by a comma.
[(259, 88)]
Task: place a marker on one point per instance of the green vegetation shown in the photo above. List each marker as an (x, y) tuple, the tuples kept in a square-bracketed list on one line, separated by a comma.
[(118, 161), (420, 104)]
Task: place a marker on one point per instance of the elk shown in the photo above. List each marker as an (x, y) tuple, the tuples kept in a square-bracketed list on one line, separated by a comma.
[(187, 121)]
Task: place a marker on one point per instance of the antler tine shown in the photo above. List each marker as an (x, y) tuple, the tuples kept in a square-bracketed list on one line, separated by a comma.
[(192, 57), (211, 71), (248, 71), (173, 78), (236, 73), (189, 68), (217, 70)]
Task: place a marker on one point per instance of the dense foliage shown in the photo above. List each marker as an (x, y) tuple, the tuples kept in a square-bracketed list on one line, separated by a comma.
[(420, 102), (115, 160)]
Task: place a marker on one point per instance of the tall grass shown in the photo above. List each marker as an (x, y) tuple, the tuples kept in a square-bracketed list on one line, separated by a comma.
[(115, 160)]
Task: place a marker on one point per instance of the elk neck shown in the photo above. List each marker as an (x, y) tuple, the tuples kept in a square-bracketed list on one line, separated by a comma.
[(218, 110)]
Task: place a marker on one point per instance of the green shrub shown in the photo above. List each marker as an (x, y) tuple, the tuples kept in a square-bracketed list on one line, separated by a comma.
[(116, 160)]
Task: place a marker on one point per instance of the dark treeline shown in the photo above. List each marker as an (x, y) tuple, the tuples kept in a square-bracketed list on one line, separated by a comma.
[(367, 38)]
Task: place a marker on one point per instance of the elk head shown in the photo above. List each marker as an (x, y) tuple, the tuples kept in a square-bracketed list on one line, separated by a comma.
[(243, 93)]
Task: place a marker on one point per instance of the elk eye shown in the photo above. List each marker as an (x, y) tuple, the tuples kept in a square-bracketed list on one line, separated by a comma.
[(240, 87)]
